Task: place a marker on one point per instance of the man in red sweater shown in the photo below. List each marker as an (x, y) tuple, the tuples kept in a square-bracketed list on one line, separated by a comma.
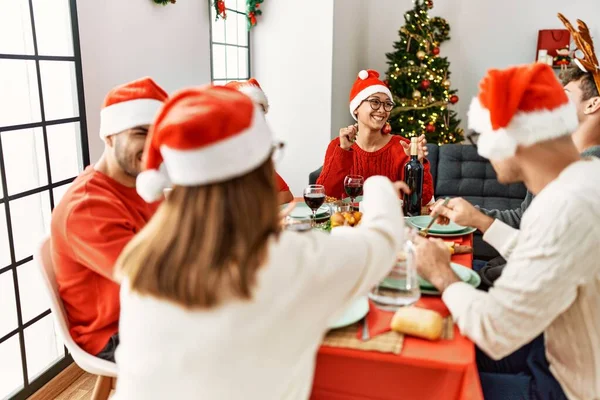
[(99, 215), (252, 89), (370, 149)]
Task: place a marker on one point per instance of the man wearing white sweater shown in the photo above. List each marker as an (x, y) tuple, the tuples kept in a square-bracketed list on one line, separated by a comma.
[(551, 283)]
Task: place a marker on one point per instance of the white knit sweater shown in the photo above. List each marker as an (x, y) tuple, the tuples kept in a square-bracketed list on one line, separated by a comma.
[(264, 348), (551, 283)]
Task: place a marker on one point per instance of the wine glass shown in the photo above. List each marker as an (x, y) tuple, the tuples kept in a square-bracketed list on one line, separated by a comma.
[(353, 185), (314, 197)]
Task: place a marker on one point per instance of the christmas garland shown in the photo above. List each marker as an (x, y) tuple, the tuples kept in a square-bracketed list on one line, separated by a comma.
[(252, 10)]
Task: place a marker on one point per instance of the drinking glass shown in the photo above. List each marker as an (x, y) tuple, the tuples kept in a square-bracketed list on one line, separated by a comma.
[(401, 286), (353, 185), (314, 197)]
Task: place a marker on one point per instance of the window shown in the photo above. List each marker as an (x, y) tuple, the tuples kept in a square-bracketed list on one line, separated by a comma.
[(229, 44), (43, 147)]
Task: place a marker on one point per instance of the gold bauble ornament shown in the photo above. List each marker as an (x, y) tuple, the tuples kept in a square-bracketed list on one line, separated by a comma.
[(416, 94), (447, 83), (421, 54)]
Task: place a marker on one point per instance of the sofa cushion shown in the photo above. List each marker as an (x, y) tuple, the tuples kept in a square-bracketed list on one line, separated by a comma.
[(462, 172)]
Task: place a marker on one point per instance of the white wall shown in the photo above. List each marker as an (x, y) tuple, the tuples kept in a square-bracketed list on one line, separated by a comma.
[(349, 56), (292, 60), (126, 40), (484, 34)]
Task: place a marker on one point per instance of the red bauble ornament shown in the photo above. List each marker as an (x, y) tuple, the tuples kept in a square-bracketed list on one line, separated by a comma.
[(430, 4), (425, 83), (257, 5), (430, 128), (454, 99), (435, 51), (387, 128)]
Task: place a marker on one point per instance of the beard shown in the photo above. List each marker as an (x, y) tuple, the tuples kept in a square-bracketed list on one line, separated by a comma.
[(127, 160)]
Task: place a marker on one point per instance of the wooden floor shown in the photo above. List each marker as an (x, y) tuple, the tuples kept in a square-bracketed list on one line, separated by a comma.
[(80, 390)]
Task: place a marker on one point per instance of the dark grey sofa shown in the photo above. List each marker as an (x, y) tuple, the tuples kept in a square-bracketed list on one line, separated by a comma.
[(458, 171)]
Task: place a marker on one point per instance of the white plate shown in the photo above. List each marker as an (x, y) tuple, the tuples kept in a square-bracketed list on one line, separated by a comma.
[(357, 311)]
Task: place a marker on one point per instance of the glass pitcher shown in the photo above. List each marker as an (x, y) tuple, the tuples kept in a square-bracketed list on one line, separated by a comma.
[(401, 286)]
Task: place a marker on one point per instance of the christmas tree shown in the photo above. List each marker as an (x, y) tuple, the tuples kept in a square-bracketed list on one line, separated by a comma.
[(419, 79)]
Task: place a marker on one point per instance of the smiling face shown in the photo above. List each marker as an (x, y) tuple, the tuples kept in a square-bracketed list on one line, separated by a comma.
[(128, 147), (373, 119)]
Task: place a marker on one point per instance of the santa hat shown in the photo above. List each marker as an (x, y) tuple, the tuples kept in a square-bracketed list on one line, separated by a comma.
[(367, 83), (520, 106), (252, 89), (203, 136), (130, 105)]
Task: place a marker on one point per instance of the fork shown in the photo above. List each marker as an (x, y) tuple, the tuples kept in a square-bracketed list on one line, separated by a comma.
[(425, 231)]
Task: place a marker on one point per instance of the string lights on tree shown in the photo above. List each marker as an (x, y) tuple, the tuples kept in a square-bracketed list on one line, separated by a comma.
[(419, 79)]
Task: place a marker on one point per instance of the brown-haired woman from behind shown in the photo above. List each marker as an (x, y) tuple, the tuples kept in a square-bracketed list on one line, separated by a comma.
[(216, 301)]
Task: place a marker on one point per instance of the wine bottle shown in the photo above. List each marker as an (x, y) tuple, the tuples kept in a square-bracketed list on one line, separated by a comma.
[(413, 176)]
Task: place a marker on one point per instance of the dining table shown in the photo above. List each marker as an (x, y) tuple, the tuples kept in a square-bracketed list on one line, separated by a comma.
[(423, 370)]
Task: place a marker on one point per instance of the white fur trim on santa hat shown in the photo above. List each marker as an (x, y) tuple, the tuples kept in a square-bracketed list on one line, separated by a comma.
[(366, 92), (525, 128), (364, 74), (225, 160), (128, 114), (151, 184), (256, 94)]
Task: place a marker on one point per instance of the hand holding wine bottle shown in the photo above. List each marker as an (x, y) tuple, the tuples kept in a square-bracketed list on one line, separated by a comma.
[(422, 151)]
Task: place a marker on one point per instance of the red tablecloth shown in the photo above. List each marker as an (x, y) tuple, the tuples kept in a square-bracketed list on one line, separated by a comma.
[(424, 370)]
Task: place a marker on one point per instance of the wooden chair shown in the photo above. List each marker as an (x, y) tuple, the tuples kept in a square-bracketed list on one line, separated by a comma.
[(105, 370)]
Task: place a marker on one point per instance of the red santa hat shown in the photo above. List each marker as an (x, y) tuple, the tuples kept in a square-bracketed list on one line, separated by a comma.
[(520, 106), (252, 89), (130, 105), (203, 136), (367, 83)]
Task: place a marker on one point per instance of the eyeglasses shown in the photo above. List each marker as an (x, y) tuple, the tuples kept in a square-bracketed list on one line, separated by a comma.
[(277, 151), (376, 104), (473, 137)]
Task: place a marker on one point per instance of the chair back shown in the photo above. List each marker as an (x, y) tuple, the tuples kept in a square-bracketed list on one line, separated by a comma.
[(86, 361)]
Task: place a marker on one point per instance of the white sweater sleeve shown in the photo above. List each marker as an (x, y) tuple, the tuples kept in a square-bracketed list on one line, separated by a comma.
[(502, 237), (353, 260), (539, 282)]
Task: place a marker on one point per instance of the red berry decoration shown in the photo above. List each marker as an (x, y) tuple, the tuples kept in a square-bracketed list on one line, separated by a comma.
[(454, 99), (430, 4), (435, 51), (425, 83), (257, 5), (430, 128)]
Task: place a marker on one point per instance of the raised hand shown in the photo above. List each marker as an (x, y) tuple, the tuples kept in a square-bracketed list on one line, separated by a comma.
[(422, 148), (348, 136)]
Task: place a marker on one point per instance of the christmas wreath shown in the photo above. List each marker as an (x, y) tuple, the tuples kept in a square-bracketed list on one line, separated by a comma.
[(252, 10)]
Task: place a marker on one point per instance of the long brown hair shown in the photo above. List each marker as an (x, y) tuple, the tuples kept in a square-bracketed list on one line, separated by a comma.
[(206, 243)]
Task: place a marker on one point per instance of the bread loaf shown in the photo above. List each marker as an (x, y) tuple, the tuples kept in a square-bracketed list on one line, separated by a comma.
[(418, 322)]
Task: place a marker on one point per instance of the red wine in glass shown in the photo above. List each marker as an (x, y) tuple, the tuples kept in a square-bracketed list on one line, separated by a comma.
[(314, 200), (314, 197), (353, 185)]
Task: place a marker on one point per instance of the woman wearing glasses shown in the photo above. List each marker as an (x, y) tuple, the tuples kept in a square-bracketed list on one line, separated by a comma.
[(367, 148)]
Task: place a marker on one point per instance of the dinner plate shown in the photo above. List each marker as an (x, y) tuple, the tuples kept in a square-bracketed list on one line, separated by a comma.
[(465, 274), (474, 281), (354, 313), (422, 221), (303, 211)]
